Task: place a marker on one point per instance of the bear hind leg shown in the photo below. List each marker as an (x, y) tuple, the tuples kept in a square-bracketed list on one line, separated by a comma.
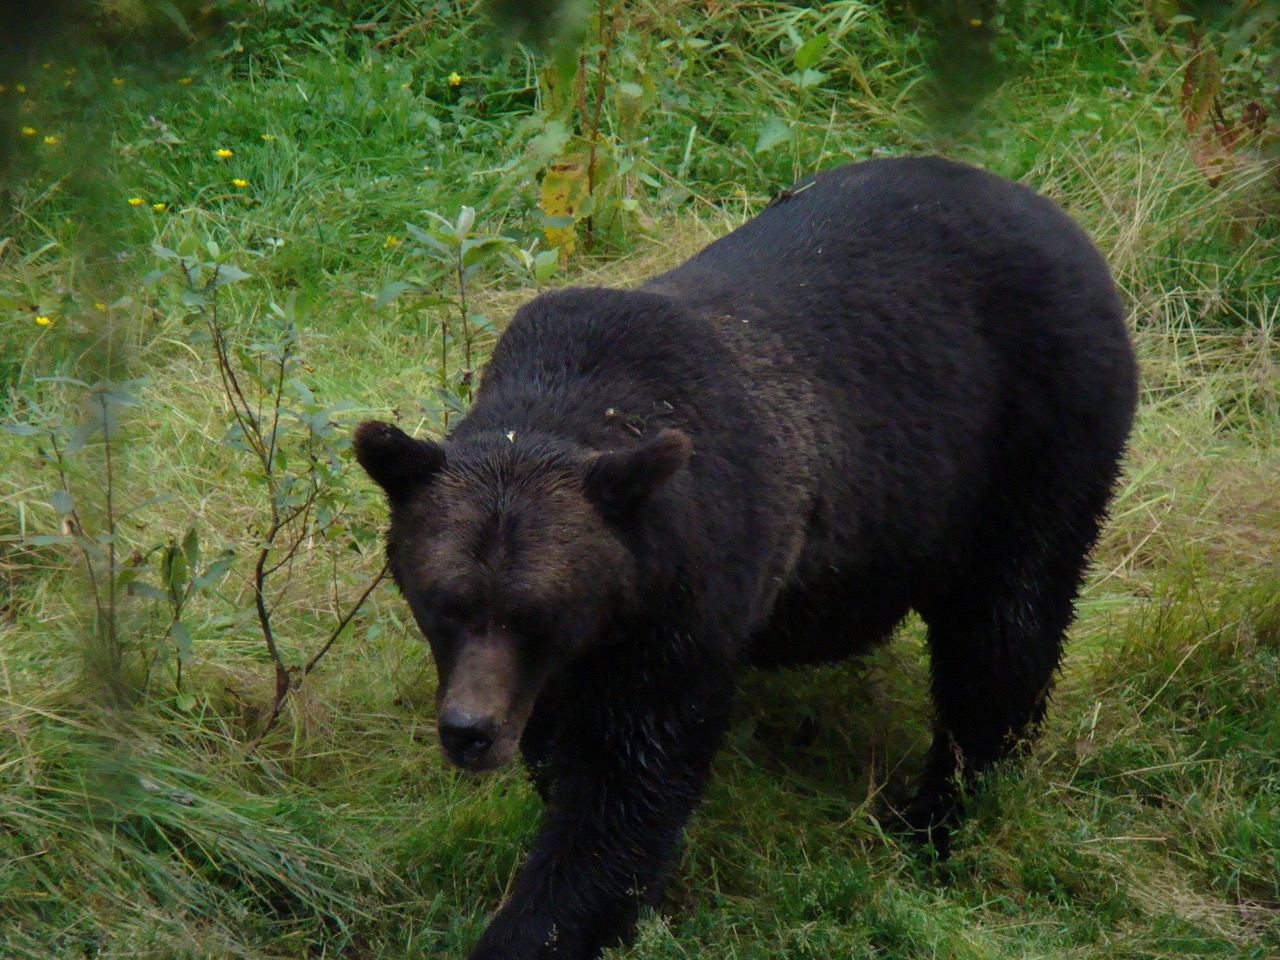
[(994, 650)]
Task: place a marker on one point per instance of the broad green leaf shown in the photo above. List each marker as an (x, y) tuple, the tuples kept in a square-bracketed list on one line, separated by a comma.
[(466, 220), (776, 131), (810, 78), (213, 572), (81, 435), (482, 249), (545, 264), (303, 391), (432, 240), (62, 501), (139, 589), (390, 291), (191, 547), (229, 273), (181, 641), (811, 51), (174, 572)]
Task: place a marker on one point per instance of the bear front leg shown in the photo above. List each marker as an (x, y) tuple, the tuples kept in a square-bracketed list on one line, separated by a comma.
[(622, 793)]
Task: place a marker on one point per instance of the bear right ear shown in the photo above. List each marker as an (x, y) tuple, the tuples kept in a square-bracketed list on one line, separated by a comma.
[(395, 461)]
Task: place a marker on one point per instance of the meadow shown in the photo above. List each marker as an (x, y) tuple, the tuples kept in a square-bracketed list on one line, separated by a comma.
[(229, 231)]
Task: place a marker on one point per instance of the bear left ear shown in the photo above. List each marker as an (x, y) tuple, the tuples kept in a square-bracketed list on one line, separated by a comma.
[(395, 461), (620, 482)]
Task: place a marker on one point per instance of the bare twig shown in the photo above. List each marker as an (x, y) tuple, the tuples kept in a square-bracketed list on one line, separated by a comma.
[(113, 640), (78, 533), (351, 612)]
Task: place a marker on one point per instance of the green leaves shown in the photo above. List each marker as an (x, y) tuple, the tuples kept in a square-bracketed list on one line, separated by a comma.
[(61, 501), (201, 276), (810, 52), (776, 131)]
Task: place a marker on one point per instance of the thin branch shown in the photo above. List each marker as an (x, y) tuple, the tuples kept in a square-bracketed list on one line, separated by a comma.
[(112, 635), (282, 692), (79, 532), (351, 612), (275, 413)]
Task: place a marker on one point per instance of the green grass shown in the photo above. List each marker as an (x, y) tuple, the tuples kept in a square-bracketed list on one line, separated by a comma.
[(1145, 824)]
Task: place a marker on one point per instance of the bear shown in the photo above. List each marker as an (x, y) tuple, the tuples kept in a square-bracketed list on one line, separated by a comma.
[(906, 384)]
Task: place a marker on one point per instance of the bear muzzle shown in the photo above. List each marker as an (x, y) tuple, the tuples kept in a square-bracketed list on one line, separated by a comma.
[(484, 703), (473, 743)]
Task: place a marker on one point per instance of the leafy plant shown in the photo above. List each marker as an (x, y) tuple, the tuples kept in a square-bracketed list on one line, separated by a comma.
[(87, 496), (452, 254), (293, 442)]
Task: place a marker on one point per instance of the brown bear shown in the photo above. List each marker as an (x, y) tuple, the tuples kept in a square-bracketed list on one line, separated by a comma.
[(905, 385)]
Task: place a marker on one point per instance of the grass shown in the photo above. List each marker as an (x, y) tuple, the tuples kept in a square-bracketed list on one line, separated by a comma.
[(1146, 823)]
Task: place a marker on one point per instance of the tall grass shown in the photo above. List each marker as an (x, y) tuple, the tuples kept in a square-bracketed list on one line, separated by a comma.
[(1146, 823)]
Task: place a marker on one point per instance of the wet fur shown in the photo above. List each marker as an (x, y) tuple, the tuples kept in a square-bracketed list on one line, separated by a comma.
[(907, 386)]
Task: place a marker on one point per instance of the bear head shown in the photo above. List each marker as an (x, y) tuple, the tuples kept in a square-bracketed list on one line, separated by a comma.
[(513, 554)]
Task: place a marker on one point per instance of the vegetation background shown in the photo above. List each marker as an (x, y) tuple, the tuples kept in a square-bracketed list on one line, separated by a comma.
[(228, 229)]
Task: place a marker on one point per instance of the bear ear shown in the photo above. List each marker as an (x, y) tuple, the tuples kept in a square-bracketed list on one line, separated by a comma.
[(395, 461), (620, 482)]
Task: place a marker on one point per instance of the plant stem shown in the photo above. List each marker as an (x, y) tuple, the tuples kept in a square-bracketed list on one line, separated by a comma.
[(113, 644), (342, 623)]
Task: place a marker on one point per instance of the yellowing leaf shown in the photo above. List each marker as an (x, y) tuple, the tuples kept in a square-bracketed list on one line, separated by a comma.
[(564, 194)]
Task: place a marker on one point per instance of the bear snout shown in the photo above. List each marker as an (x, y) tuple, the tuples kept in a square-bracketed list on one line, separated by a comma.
[(465, 739)]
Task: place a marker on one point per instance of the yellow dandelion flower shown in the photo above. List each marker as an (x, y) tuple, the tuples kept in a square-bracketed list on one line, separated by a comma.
[(159, 206), (135, 201), (975, 22), (268, 136), (405, 86), (21, 87), (99, 305), (43, 320), (29, 131), (240, 182), (391, 241), (184, 80), (118, 81), (222, 153), (46, 65), (454, 79), (51, 139)]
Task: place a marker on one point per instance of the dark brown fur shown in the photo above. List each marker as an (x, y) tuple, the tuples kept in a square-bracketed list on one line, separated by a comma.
[(906, 386)]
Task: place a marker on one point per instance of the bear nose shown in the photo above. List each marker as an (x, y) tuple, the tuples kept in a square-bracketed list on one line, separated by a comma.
[(465, 739)]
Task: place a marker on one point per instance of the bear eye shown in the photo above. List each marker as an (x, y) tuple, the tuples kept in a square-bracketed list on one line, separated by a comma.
[(449, 617), (531, 624)]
